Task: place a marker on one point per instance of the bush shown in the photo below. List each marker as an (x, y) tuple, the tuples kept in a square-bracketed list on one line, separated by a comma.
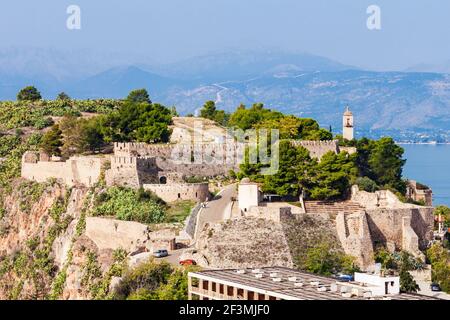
[(321, 259), (154, 281), (29, 94), (366, 184)]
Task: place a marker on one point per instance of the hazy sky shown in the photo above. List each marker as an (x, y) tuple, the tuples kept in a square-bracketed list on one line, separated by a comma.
[(412, 31)]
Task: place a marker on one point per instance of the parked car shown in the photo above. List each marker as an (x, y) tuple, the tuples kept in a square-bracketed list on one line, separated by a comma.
[(160, 253), (188, 262), (345, 277), (435, 287)]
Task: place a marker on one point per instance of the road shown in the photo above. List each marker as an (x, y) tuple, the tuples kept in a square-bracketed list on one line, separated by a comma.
[(425, 290), (217, 209)]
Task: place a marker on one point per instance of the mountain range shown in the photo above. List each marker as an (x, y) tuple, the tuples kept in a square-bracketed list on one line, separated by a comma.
[(300, 84)]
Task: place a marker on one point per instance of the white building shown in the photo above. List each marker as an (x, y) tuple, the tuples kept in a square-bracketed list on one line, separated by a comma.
[(248, 195)]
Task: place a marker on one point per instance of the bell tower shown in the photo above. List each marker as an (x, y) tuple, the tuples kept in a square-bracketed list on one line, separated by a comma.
[(347, 131)]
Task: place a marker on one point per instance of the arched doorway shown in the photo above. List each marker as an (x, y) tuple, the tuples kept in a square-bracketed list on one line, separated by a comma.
[(162, 180)]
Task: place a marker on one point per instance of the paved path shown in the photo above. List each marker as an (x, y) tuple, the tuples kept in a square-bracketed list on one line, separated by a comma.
[(426, 290), (217, 209)]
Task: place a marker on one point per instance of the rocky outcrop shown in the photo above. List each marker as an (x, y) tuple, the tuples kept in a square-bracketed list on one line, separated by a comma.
[(50, 249)]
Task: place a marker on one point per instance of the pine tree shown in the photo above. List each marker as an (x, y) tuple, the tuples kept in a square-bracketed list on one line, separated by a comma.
[(52, 141)]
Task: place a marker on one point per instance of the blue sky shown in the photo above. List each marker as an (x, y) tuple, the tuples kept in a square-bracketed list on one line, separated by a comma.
[(168, 30)]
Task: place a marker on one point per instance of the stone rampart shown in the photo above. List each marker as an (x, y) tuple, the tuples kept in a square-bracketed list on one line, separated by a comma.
[(317, 149), (173, 192), (74, 171)]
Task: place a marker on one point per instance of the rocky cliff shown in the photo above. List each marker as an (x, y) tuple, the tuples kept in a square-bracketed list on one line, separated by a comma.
[(44, 251)]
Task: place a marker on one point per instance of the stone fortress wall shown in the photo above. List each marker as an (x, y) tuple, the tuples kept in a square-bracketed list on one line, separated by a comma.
[(318, 148), (385, 221), (180, 191), (362, 223), (76, 170)]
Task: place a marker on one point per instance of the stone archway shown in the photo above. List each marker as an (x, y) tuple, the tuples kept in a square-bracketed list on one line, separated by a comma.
[(163, 180)]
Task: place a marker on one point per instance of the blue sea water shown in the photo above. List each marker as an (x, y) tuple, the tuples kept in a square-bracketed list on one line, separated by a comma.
[(430, 164)]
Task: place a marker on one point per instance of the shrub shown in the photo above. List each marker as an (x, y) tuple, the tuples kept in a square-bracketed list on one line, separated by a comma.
[(366, 184)]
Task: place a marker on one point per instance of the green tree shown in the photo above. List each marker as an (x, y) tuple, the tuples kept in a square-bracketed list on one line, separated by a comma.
[(142, 122), (209, 110), (63, 96), (407, 282), (440, 266), (81, 135), (323, 260), (382, 161), (334, 175), (29, 93), (247, 118), (295, 166), (318, 135), (139, 96), (144, 280), (51, 142)]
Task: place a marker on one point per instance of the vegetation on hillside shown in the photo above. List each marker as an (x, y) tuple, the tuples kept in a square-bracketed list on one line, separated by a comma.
[(439, 258), (154, 281), (129, 205)]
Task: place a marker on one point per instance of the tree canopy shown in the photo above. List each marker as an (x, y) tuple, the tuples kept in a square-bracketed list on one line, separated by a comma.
[(139, 95), (29, 93), (52, 141), (142, 122)]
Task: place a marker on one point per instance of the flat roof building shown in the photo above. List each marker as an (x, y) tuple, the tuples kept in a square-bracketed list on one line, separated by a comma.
[(279, 283)]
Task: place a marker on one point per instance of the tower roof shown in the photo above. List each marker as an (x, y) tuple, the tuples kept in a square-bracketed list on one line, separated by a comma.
[(348, 112)]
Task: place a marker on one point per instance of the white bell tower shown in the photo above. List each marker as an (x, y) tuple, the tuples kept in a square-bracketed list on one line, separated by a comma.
[(347, 131)]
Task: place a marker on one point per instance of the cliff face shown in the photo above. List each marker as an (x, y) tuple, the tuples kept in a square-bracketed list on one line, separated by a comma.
[(44, 253)]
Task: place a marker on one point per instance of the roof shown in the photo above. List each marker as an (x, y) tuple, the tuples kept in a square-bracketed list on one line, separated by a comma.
[(287, 288), (348, 112)]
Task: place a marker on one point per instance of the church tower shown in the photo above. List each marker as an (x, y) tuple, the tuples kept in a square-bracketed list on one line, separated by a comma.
[(347, 131)]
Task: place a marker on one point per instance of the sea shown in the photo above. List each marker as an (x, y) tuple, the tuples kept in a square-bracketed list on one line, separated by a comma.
[(429, 164)]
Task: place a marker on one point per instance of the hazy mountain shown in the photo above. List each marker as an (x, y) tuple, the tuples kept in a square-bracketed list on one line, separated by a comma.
[(380, 100), (443, 67), (118, 82), (242, 65), (299, 84)]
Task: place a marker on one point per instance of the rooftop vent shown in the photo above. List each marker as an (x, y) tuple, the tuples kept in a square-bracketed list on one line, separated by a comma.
[(276, 279), (322, 289), (259, 275), (315, 283), (241, 271)]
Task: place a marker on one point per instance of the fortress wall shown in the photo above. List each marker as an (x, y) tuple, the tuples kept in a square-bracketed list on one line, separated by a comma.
[(76, 170), (386, 225), (317, 149), (354, 235), (169, 193), (41, 171), (276, 214)]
